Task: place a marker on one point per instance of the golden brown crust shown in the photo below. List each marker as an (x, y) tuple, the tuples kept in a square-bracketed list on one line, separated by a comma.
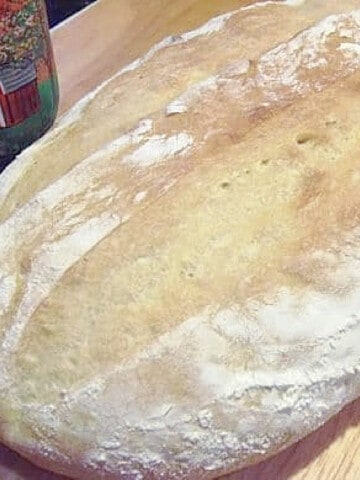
[(184, 300), (129, 97)]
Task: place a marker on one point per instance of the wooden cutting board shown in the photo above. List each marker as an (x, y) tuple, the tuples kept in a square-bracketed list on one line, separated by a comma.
[(91, 47)]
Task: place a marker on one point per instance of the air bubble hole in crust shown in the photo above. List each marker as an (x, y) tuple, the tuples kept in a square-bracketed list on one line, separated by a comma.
[(330, 123), (305, 138)]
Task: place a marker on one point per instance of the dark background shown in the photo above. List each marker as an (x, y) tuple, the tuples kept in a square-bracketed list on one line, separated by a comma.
[(58, 10)]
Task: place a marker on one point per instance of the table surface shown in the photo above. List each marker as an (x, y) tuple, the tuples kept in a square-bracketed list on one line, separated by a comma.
[(89, 48)]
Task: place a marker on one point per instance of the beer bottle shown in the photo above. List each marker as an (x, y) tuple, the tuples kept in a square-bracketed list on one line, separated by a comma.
[(29, 91)]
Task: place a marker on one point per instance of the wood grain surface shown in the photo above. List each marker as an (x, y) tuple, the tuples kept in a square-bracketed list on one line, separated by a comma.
[(90, 48)]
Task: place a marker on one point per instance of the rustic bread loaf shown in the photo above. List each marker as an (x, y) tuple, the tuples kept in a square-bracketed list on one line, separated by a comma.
[(179, 260)]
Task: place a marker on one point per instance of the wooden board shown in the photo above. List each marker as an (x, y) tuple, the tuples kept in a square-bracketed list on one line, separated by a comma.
[(91, 47)]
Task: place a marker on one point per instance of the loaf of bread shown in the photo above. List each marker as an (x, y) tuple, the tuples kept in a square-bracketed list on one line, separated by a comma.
[(180, 256)]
